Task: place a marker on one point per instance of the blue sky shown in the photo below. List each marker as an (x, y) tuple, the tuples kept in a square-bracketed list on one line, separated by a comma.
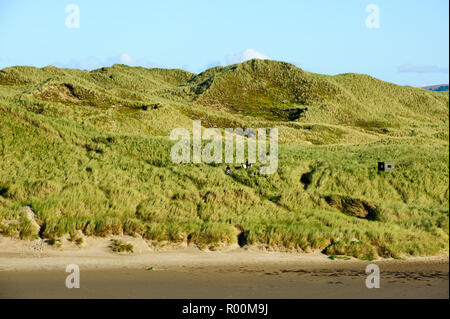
[(410, 47)]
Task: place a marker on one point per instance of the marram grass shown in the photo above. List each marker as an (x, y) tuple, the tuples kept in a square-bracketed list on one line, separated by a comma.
[(84, 153)]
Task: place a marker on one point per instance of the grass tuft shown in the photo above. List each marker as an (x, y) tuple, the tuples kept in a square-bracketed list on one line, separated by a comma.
[(119, 246)]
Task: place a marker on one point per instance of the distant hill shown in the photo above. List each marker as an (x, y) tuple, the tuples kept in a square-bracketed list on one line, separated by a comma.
[(89, 153), (437, 88)]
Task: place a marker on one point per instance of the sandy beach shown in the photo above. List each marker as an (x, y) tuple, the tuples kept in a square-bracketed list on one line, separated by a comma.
[(32, 269)]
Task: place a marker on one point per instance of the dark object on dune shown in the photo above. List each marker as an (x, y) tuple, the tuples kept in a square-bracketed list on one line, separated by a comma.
[(386, 166), (151, 106), (290, 114), (295, 114), (228, 170)]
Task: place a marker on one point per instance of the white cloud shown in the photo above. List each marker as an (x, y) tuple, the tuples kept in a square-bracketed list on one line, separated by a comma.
[(252, 54), (422, 69), (245, 56), (125, 58)]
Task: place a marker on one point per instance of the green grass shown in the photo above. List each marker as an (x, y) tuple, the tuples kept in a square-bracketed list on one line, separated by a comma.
[(119, 246), (80, 150), (76, 238)]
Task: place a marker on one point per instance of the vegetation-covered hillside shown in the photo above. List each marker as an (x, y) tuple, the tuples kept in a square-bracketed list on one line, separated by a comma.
[(89, 153)]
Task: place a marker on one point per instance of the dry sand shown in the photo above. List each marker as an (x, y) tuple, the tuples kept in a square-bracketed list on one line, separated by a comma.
[(32, 269)]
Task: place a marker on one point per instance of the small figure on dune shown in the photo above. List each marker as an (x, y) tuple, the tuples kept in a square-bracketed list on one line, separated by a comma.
[(246, 164), (228, 170)]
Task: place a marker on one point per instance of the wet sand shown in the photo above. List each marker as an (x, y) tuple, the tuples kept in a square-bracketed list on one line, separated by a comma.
[(189, 273), (214, 282)]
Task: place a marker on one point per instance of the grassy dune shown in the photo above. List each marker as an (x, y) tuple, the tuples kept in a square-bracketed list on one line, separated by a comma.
[(89, 152)]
